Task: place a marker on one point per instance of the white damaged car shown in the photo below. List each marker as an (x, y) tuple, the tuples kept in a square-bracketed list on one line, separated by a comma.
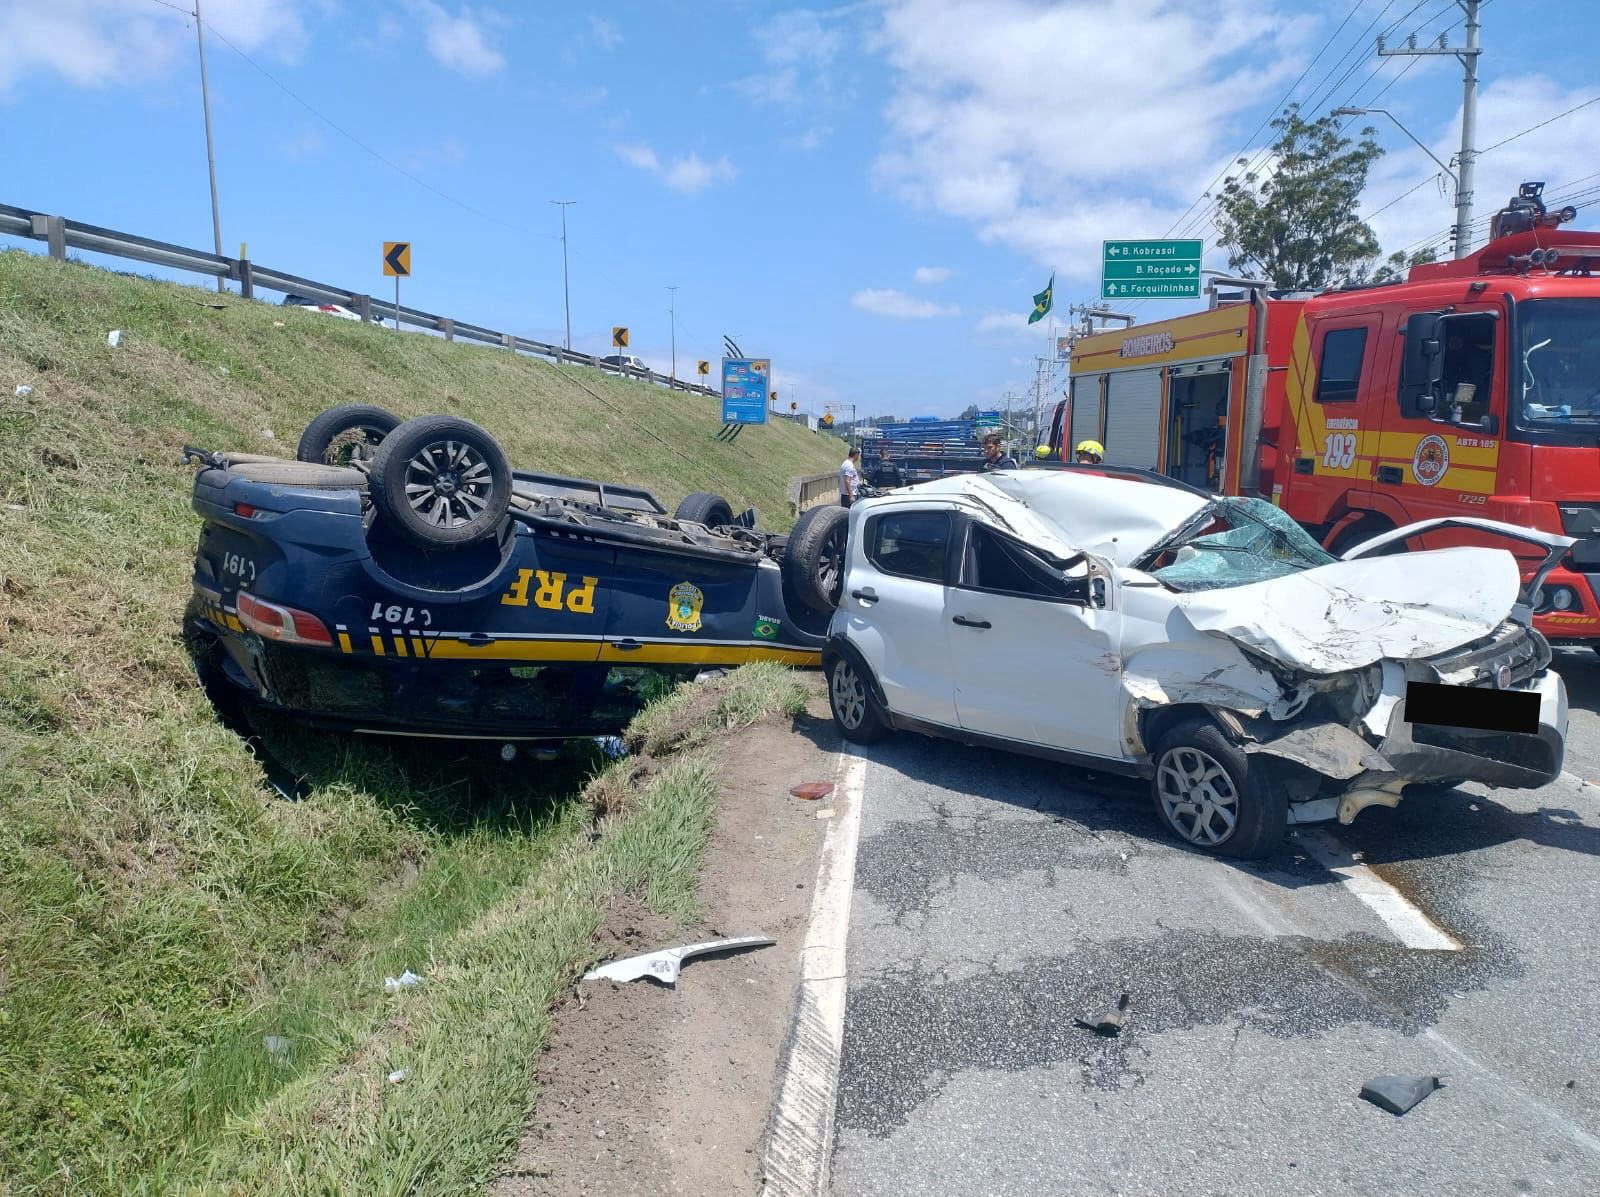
[(1131, 624)]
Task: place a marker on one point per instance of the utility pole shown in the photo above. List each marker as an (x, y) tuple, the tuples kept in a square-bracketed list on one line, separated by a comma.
[(672, 311), (1468, 57), (211, 157), (566, 291)]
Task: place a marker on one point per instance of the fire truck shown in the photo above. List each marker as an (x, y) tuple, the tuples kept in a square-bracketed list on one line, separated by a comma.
[(1470, 388)]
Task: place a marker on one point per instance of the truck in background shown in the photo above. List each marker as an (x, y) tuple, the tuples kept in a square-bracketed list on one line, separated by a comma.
[(926, 447), (1471, 388)]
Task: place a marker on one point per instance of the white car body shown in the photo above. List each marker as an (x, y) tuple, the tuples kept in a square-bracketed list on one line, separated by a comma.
[(1309, 666)]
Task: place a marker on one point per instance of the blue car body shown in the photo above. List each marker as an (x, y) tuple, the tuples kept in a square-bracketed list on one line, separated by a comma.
[(560, 624)]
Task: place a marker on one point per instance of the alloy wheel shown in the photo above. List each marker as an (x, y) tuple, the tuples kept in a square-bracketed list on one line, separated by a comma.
[(448, 483)]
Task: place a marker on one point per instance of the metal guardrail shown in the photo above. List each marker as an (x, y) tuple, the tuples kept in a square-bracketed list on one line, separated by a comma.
[(60, 234)]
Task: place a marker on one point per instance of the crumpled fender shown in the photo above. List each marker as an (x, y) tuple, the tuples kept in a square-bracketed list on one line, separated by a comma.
[(1328, 748), (1225, 680)]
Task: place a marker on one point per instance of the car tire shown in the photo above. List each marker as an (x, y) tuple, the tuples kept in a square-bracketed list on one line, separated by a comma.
[(703, 507), (813, 558), (1202, 779), (441, 482), (855, 711), (340, 435), (299, 473)]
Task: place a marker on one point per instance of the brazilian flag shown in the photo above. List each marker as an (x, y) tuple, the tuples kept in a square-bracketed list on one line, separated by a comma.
[(1043, 300)]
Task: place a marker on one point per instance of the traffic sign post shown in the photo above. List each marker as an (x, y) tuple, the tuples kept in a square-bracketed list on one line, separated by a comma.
[(397, 264), (745, 393), (1164, 269), (619, 337), (704, 367)]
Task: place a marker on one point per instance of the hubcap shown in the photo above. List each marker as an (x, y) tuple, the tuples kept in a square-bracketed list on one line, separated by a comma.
[(448, 484), (1197, 796), (849, 696)]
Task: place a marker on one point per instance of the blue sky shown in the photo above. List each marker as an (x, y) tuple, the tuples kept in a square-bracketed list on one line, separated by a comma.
[(867, 193)]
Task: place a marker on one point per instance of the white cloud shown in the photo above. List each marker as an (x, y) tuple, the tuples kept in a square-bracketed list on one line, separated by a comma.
[(1004, 322), (605, 32), (114, 43), (689, 174), (459, 42), (929, 275), (798, 49), (641, 156), (811, 139), (900, 306), (978, 130)]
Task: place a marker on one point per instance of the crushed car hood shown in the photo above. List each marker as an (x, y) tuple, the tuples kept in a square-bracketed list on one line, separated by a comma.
[(1352, 614)]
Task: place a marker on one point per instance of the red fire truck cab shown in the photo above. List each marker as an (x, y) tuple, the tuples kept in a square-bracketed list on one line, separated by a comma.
[(1471, 388)]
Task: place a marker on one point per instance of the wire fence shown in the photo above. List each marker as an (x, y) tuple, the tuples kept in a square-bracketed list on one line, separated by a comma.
[(60, 234)]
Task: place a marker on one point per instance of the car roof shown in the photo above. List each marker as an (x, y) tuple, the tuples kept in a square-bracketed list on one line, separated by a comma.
[(1063, 512)]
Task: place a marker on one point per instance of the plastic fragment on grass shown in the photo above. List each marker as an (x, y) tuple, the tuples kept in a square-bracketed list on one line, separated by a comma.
[(404, 981), (1108, 1024), (399, 1075), (23, 391), (664, 965), (277, 1047), (114, 338), (1397, 1094), (812, 789)]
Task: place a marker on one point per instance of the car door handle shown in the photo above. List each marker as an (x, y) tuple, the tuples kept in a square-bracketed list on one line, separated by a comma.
[(1391, 475), (972, 623), (626, 646), (868, 595)]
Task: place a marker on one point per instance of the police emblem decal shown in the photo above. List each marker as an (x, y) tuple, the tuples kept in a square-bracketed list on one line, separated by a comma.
[(683, 607)]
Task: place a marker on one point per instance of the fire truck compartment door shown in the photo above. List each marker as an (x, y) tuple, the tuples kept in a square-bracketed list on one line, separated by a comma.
[(1085, 412), (1133, 419)]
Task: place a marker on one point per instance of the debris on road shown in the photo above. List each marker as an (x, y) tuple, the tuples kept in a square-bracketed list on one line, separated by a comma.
[(664, 965), (404, 981), (1397, 1094), (1108, 1024), (812, 789)]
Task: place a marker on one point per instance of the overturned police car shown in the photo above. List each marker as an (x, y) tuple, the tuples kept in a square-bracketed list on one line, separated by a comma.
[(401, 578), (1134, 624)]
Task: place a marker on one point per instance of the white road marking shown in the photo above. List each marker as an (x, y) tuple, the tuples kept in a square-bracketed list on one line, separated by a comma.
[(1410, 926), (800, 1137)]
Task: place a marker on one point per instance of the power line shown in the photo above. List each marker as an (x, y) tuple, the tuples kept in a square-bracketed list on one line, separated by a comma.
[(1540, 125)]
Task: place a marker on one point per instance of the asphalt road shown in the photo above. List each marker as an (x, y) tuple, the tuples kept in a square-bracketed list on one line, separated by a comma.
[(998, 899)]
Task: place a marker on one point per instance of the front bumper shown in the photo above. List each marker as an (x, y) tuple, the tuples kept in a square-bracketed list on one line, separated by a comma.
[(1425, 752)]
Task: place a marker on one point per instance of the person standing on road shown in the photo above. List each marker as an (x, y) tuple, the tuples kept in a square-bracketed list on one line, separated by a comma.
[(994, 455), (885, 475), (849, 478)]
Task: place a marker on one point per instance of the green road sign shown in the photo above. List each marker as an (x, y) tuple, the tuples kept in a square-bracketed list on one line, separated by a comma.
[(1151, 269)]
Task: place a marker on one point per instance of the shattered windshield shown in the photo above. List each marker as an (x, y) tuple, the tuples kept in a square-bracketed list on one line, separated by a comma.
[(1234, 543), (1560, 366)]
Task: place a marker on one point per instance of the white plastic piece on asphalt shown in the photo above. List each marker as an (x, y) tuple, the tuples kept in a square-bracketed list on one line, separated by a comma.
[(800, 1138), (1409, 925)]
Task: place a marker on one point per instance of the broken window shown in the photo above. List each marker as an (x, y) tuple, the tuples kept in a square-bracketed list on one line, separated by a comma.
[(994, 563), (1236, 542)]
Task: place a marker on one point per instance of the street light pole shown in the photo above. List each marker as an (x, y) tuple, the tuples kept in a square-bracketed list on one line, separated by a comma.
[(672, 311), (211, 158), (1468, 56), (1385, 112), (566, 290)]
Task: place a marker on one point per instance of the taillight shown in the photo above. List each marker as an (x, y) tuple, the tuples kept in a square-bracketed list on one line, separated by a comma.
[(282, 623), (245, 510)]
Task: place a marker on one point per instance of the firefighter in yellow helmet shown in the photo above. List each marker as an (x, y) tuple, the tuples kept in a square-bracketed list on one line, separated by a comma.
[(1042, 452), (1090, 452)]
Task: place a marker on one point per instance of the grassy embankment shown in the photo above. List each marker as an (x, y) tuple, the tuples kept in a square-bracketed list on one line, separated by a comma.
[(161, 910)]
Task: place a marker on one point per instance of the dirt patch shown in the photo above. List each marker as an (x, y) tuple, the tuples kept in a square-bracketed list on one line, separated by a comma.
[(649, 1089)]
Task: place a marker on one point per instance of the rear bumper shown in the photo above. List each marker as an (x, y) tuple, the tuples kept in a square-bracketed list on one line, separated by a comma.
[(1425, 752)]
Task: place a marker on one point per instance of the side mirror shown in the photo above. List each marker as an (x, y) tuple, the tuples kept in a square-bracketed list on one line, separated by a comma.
[(1422, 366)]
